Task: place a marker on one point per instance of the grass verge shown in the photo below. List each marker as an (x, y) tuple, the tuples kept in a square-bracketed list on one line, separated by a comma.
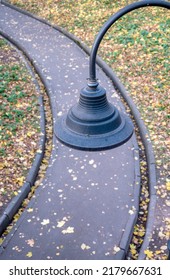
[(19, 124)]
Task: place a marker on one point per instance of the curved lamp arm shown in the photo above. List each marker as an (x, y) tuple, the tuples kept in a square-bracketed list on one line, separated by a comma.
[(92, 69), (94, 123)]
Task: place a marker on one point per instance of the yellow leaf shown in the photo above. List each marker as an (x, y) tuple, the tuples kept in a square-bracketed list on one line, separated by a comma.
[(132, 246), (141, 233), (16, 217), (135, 233), (158, 252), (148, 253), (19, 105), (20, 180), (1, 165), (30, 133), (133, 251), (29, 254), (168, 185), (1, 240)]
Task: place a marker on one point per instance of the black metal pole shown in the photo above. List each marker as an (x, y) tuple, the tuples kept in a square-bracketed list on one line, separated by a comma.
[(92, 69), (168, 243)]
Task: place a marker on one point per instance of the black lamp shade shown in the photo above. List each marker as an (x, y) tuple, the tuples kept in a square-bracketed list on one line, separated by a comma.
[(93, 123)]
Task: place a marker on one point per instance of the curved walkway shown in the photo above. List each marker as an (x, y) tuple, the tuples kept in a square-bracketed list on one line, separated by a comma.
[(87, 205)]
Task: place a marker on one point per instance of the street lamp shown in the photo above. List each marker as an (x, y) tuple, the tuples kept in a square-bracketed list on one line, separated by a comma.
[(94, 123), (168, 243)]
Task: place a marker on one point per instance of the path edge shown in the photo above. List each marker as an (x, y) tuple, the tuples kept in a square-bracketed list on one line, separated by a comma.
[(16, 201)]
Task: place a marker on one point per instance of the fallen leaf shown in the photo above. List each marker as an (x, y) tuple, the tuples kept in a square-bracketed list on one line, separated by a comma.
[(85, 247), (68, 230), (158, 252), (141, 233), (30, 242), (168, 185), (20, 180), (29, 254), (45, 222), (167, 202), (148, 253), (133, 251), (61, 223), (163, 248), (116, 249), (1, 165), (30, 210)]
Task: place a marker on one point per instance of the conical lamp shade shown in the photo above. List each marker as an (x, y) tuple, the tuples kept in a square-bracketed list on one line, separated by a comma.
[(93, 123)]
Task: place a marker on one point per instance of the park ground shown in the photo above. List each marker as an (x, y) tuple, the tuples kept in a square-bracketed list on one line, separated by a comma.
[(137, 49)]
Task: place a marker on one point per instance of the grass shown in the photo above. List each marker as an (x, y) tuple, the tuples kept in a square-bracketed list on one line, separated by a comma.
[(19, 123)]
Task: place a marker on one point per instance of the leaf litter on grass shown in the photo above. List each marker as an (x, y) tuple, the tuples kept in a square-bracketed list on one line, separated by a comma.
[(19, 123), (19, 93)]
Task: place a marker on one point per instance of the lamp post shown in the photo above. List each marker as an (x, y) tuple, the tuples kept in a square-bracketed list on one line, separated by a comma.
[(168, 258), (94, 123)]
